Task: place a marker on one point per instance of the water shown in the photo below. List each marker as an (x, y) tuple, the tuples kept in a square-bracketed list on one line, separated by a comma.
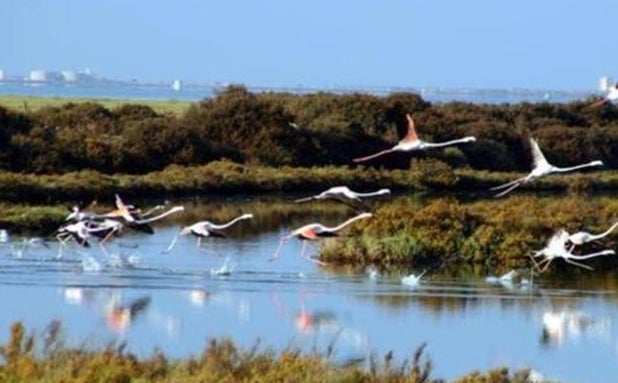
[(564, 328), (196, 92)]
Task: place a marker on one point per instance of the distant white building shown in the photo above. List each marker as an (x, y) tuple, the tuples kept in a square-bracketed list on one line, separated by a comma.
[(605, 83), (37, 75), (177, 85), (69, 76), (1, 75)]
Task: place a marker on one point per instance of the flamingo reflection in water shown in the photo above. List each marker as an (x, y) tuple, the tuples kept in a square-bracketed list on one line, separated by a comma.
[(312, 232), (558, 325), (120, 316), (326, 322)]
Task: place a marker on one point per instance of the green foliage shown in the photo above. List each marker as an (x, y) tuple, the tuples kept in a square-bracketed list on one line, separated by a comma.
[(446, 232), (329, 130)]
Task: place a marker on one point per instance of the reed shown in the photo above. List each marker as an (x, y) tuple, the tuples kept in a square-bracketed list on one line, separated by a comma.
[(48, 359)]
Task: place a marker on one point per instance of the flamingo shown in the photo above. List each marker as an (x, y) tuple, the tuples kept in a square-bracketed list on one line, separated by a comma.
[(582, 237), (412, 142), (556, 248), (136, 221), (80, 231), (312, 232), (541, 168), (204, 229), (344, 194), (611, 97)]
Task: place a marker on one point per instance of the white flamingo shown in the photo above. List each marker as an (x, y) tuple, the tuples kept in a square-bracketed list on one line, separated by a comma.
[(79, 231), (541, 168), (556, 248), (611, 97), (136, 221), (582, 237), (412, 142), (204, 229), (312, 232), (344, 194)]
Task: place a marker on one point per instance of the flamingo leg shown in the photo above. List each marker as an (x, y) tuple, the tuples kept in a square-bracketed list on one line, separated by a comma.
[(548, 260), (108, 236), (104, 249), (506, 185), (536, 264), (309, 258), (171, 245), (578, 264), (509, 189), (199, 244), (571, 249), (277, 253), (302, 250)]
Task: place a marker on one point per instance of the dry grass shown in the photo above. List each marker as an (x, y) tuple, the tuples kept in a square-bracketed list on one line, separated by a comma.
[(34, 103)]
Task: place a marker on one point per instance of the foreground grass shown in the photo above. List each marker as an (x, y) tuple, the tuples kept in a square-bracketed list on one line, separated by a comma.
[(26, 360), (27, 104)]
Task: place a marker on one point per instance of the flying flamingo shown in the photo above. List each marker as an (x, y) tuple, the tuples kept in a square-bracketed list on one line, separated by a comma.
[(136, 221), (541, 168), (582, 237), (412, 142), (344, 194), (611, 97), (312, 232), (79, 231), (204, 229), (556, 248)]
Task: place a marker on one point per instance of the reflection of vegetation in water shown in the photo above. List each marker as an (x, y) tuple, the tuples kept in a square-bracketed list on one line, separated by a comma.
[(27, 358), (445, 231)]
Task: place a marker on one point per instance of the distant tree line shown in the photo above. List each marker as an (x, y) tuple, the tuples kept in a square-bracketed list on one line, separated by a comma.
[(276, 129)]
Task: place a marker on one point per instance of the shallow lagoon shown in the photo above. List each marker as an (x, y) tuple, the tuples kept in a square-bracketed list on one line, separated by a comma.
[(566, 328)]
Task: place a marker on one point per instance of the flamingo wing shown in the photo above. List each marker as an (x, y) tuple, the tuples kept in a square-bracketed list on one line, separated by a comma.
[(538, 159), (411, 136), (308, 234)]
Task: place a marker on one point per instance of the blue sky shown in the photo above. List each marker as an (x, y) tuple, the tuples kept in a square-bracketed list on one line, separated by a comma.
[(547, 44)]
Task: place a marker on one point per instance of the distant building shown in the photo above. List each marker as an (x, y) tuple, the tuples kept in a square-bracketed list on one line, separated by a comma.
[(69, 76), (1, 75), (605, 83), (177, 85), (37, 76), (73, 76)]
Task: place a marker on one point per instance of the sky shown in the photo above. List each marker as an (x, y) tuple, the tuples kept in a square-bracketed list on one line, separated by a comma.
[(538, 44)]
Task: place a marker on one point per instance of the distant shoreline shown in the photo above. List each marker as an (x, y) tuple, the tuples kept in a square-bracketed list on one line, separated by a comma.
[(191, 91)]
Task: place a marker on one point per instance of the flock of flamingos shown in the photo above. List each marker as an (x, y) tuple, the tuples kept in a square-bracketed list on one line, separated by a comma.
[(82, 225)]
